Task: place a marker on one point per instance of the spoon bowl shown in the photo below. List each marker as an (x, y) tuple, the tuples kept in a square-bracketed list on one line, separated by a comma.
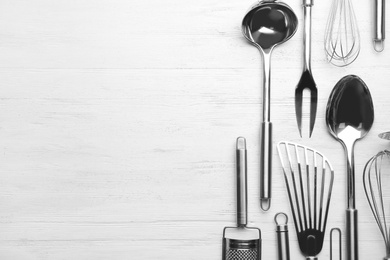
[(349, 116), (350, 109)]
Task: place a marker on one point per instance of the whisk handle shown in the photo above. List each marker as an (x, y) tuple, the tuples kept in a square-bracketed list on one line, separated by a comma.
[(352, 234), (379, 25)]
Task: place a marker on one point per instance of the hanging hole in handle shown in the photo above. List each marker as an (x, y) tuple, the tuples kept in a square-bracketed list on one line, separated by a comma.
[(339, 247), (265, 204), (379, 45), (279, 217)]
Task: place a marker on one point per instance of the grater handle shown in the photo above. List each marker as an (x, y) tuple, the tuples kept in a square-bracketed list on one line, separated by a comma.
[(242, 202)]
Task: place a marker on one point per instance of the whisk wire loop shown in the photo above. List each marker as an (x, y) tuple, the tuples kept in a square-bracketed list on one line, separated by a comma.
[(373, 180), (342, 40)]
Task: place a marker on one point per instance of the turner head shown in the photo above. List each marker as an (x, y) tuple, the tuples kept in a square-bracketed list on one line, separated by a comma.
[(309, 181)]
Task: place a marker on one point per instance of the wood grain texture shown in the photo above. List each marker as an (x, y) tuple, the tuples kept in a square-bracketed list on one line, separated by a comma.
[(119, 118)]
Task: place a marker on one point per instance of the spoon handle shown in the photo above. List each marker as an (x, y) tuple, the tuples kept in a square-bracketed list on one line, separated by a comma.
[(352, 234), (351, 213)]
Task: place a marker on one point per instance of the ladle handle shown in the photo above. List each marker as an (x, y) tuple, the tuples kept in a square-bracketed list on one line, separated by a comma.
[(266, 137), (379, 25), (266, 165)]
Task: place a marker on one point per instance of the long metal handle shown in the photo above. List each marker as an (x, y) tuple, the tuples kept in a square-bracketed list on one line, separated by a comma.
[(241, 164), (339, 247), (283, 240), (307, 5), (352, 234), (350, 173), (266, 137), (379, 25), (351, 215)]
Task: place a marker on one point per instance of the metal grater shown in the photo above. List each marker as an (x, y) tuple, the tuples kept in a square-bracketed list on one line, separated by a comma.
[(241, 242), (241, 249)]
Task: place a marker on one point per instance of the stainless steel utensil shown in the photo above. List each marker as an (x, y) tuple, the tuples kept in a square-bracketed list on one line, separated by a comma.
[(309, 180), (379, 39), (385, 135), (307, 80), (349, 116), (376, 180), (282, 234), (266, 25), (339, 249), (342, 40), (241, 242)]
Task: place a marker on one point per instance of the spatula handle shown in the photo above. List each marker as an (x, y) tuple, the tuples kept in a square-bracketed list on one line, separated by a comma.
[(241, 164), (283, 239)]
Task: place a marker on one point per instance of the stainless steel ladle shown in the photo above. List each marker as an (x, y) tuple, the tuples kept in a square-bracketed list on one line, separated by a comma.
[(266, 25)]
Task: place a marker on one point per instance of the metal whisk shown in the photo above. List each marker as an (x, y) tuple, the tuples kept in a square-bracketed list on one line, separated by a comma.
[(342, 40), (378, 196)]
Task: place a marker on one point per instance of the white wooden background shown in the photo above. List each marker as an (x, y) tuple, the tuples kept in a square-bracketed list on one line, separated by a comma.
[(118, 122)]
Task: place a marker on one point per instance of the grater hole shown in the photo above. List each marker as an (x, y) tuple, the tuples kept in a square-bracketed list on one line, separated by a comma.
[(242, 254)]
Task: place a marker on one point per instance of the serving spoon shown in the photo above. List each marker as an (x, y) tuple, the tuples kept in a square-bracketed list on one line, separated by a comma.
[(266, 25), (349, 117)]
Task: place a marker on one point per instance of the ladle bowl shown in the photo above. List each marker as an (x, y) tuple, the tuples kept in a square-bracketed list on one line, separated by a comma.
[(269, 23), (266, 25)]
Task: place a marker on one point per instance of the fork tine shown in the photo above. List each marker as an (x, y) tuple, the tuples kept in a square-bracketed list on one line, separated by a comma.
[(298, 108), (313, 108)]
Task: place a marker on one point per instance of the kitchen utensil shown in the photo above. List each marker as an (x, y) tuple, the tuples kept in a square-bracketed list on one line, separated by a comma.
[(342, 40), (241, 242), (309, 180), (379, 39), (376, 180), (306, 81), (266, 25), (339, 244), (282, 234), (349, 116), (385, 135)]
